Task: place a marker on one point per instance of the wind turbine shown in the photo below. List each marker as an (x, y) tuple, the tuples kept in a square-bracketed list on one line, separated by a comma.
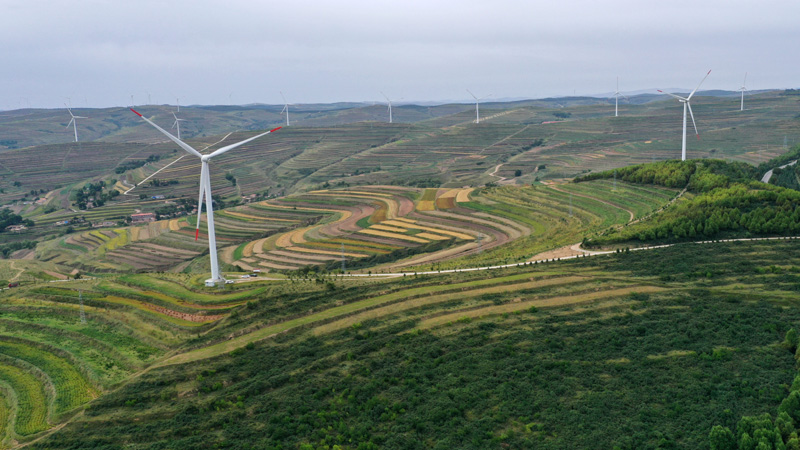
[(205, 190), (743, 88), (617, 93), (177, 124), (477, 102), (686, 104), (285, 108), (390, 106), (74, 122)]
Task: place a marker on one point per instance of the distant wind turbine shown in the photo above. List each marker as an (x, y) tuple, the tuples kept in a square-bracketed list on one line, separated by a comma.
[(177, 124), (743, 89), (205, 190), (686, 104), (477, 107), (285, 109), (617, 94), (390, 106), (178, 102), (74, 122)]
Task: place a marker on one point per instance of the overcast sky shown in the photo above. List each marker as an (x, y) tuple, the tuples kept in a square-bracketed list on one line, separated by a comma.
[(100, 52)]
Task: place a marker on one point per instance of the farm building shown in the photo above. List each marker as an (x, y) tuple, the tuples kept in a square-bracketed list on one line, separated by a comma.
[(16, 228), (106, 223), (143, 217)]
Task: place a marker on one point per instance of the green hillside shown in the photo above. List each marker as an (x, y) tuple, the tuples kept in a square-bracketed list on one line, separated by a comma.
[(726, 201), (634, 350)]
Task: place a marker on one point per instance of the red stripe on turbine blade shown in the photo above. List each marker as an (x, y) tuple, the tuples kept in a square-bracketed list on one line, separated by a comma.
[(135, 112), (698, 137), (275, 129), (196, 234)]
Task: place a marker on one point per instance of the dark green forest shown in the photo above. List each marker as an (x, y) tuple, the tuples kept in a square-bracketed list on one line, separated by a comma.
[(725, 201)]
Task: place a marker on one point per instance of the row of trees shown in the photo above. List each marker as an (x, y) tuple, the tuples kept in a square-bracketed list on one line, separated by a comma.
[(729, 200), (697, 176), (135, 163), (673, 174), (753, 208)]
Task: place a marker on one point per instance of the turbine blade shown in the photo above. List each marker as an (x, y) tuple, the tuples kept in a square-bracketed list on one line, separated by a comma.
[(694, 124), (671, 95), (745, 80), (698, 86), (200, 201), (384, 96), (70, 122), (232, 146), (166, 133), (473, 95)]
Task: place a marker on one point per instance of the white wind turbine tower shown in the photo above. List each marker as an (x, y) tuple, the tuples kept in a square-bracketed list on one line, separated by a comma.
[(477, 108), (285, 109), (617, 93), (743, 88), (686, 104), (177, 124), (390, 106), (205, 190), (74, 122)]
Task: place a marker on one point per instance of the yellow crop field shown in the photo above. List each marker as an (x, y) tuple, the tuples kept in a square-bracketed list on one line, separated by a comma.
[(292, 237), (403, 219), (463, 195), (433, 237), (248, 249), (326, 252), (174, 224), (450, 193), (426, 205), (388, 228), (324, 191), (99, 235), (432, 229), (250, 216), (387, 234)]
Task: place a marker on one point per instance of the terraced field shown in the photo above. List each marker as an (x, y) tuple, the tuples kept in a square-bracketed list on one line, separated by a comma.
[(448, 228), (622, 329), (64, 344)]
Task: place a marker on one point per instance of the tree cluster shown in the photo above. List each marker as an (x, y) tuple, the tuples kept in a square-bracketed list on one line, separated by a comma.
[(762, 432), (95, 193), (8, 218)]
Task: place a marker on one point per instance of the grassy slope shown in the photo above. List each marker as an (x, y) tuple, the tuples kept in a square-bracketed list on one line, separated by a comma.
[(635, 371)]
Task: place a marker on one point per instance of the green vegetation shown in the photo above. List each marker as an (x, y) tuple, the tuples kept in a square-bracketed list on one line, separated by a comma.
[(8, 218), (728, 204), (634, 368)]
